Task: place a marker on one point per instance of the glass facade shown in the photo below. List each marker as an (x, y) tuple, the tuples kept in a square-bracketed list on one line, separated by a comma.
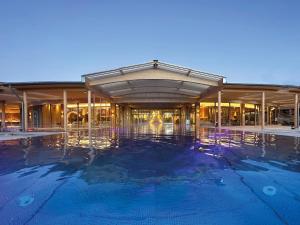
[(12, 116), (106, 114), (77, 115), (232, 113)]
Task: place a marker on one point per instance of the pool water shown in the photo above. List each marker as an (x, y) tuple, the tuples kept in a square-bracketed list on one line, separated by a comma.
[(142, 176)]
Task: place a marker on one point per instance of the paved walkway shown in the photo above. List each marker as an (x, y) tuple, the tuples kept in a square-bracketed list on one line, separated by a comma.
[(274, 129), (17, 135)]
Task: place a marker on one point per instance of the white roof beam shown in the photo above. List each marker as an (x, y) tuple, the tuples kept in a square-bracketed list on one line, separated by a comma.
[(155, 75)]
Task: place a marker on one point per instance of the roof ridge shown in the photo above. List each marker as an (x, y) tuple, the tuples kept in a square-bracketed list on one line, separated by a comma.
[(155, 64)]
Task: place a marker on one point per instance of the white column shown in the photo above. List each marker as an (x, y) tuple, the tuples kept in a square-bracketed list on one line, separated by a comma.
[(113, 114), (183, 116), (94, 111), (268, 115), (25, 111), (229, 114), (263, 96), (125, 116), (296, 114), (197, 115), (89, 110), (65, 110), (243, 121), (3, 116), (187, 115), (255, 116), (219, 109), (215, 113)]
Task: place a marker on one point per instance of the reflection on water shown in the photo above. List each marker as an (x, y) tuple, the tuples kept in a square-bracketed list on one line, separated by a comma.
[(152, 172), (81, 146)]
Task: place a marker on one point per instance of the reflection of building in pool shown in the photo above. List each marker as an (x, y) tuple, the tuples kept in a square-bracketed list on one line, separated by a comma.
[(153, 92)]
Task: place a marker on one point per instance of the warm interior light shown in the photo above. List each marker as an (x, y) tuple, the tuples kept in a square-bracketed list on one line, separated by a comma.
[(207, 104), (226, 104), (223, 104), (249, 106), (81, 105)]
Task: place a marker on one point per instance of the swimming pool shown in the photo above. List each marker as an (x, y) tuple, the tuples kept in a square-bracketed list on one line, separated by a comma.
[(144, 176)]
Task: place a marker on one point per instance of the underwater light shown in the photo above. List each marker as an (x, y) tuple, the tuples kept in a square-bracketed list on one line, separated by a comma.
[(25, 200), (269, 190)]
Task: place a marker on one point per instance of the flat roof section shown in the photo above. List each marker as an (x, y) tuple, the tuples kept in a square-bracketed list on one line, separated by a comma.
[(280, 95), (42, 92), (44, 84), (262, 87)]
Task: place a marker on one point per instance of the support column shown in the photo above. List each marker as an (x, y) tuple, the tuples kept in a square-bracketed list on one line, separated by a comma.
[(229, 115), (125, 122), (127, 116), (183, 116), (268, 115), (243, 121), (89, 110), (65, 96), (296, 113), (121, 113), (219, 110), (263, 96), (255, 117), (187, 115), (197, 115), (94, 111), (3, 116), (113, 115), (25, 112), (277, 111)]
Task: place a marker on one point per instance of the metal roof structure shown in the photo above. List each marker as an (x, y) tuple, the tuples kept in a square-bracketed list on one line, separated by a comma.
[(152, 82)]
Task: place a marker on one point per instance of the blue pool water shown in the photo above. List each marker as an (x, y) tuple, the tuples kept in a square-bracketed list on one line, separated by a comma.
[(145, 176)]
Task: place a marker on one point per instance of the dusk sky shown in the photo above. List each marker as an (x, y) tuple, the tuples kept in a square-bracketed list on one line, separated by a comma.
[(254, 41)]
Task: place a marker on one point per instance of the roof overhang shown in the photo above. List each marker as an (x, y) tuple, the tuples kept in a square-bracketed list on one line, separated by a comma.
[(275, 95)]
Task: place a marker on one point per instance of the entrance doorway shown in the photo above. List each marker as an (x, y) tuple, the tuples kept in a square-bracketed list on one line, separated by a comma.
[(156, 116)]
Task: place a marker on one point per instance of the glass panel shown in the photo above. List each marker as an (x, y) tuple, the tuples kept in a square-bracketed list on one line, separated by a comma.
[(12, 116)]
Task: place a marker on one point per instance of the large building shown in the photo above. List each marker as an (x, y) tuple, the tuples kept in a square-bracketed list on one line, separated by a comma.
[(153, 92)]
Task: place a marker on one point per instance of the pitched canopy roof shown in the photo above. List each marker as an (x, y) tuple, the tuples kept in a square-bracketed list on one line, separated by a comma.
[(152, 82)]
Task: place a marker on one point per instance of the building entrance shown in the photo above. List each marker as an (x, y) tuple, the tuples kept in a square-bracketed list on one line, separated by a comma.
[(156, 116)]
